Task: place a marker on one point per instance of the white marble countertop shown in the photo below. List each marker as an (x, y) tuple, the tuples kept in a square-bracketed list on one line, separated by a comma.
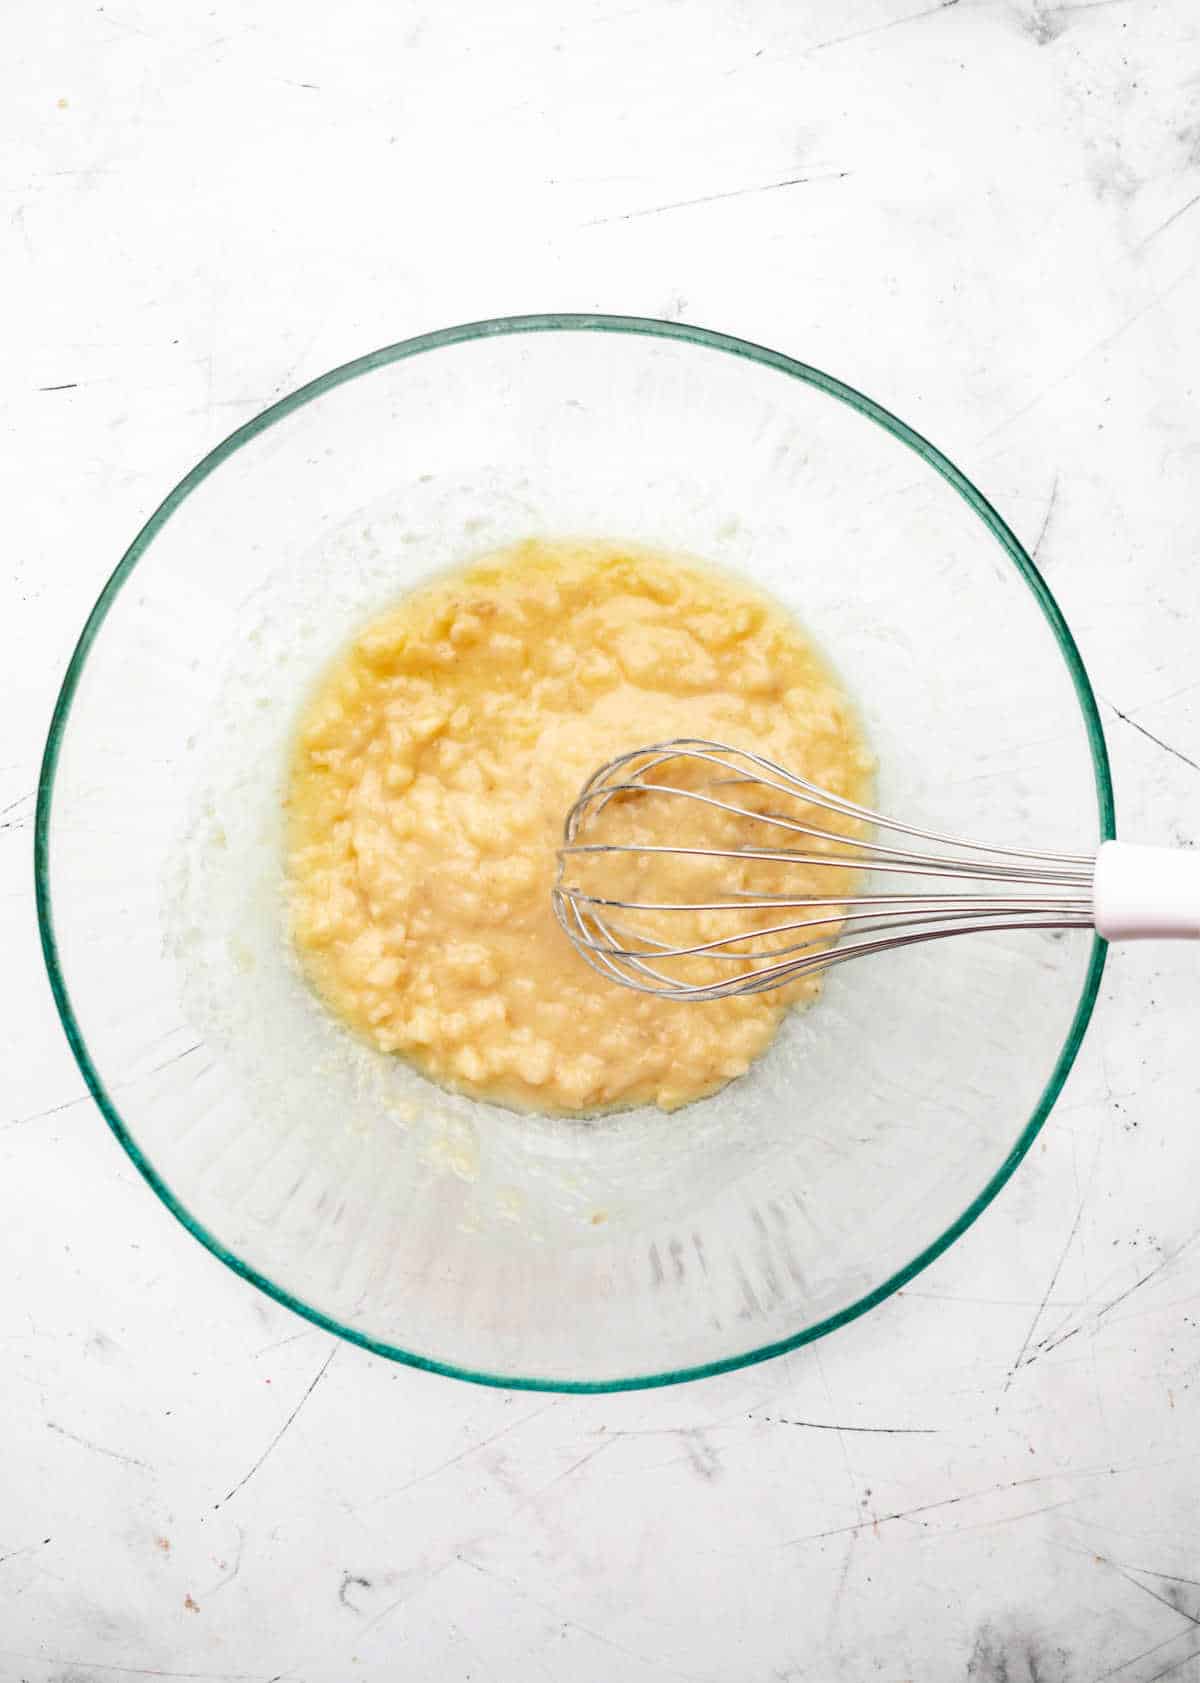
[(986, 213)]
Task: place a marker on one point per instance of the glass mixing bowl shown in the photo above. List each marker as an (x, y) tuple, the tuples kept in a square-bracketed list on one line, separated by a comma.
[(641, 1248)]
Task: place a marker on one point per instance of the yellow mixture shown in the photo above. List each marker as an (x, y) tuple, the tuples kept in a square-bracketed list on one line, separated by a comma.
[(431, 772)]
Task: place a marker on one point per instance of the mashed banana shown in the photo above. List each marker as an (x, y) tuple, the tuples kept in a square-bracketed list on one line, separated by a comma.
[(431, 772)]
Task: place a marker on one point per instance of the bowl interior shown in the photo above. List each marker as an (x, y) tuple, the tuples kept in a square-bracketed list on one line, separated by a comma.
[(642, 1247)]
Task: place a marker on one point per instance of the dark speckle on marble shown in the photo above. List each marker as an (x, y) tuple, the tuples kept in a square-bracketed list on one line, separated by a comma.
[(1041, 23), (703, 1457), (1010, 1653), (351, 1580)]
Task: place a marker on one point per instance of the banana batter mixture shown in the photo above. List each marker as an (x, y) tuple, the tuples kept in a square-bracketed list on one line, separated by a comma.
[(431, 772)]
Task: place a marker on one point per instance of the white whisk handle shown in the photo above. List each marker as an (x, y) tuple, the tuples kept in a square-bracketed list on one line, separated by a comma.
[(1147, 893)]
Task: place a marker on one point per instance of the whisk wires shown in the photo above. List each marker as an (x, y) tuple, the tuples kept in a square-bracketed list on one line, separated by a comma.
[(634, 826)]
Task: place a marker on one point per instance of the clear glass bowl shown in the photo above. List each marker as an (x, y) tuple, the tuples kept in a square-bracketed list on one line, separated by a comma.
[(640, 1249)]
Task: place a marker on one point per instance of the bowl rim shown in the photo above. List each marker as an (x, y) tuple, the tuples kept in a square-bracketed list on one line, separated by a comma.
[(507, 326)]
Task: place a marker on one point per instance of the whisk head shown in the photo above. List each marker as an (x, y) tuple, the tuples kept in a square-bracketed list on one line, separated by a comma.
[(694, 870)]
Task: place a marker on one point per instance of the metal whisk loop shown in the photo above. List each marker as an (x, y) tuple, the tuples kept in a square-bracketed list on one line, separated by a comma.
[(1030, 890)]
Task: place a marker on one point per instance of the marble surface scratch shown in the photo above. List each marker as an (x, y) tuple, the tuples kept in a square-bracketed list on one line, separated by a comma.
[(273, 1444)]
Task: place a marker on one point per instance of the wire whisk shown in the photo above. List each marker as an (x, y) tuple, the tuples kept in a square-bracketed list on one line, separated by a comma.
[(748, 929)]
